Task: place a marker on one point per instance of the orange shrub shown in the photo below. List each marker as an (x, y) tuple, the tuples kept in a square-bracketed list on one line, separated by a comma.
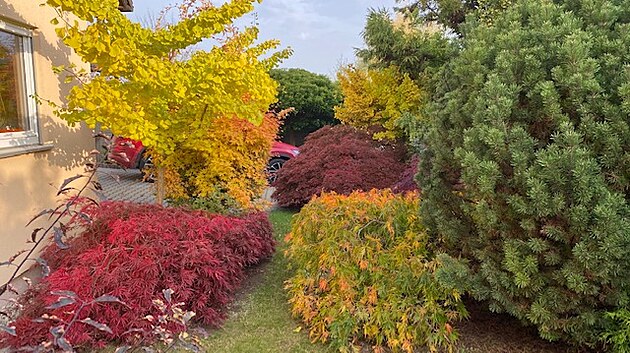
[(366, 271), (231, 162)]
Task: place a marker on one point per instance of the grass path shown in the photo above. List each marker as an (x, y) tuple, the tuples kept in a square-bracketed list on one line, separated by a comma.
[(260, 319)]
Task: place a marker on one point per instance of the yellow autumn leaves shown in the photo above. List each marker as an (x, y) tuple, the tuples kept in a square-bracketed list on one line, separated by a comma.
[(377, 98), (144, 94), (231, 161)]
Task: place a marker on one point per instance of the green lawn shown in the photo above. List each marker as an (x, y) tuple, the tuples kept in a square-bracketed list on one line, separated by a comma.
[(260, 321)]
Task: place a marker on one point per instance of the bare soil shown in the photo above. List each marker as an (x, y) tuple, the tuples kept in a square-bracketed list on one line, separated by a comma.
[(486, 332)]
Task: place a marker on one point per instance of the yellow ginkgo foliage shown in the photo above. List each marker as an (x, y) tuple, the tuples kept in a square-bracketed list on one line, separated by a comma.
[(377, 98), (145, 94), (231, 162)]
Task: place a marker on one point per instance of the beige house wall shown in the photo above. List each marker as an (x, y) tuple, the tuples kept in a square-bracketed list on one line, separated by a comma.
[(29, 181)]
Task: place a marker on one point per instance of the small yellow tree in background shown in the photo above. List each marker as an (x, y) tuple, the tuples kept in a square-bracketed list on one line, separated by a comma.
[(144, 94), (228, 168), (378, 98)]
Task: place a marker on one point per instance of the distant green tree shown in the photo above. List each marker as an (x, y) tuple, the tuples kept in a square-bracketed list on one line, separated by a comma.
[(415, 48), (526, 171), (452, 13), (312, 95)]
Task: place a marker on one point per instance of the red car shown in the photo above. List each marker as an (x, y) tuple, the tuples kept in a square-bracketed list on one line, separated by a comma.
[(280, 153), (131, 154), (128, 153)]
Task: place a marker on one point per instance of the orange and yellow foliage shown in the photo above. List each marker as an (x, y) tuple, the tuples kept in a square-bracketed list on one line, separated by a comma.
[(366, 271), (230, 161), (378, 98)]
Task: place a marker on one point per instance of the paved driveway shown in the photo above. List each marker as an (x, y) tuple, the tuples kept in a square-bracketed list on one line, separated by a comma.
[(125, 185)]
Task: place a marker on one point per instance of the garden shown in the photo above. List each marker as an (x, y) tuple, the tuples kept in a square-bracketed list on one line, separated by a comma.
[(463, 187)]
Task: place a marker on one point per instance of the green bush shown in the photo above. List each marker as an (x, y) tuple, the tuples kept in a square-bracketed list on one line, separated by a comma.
[(527, 167), (365, 272), (617, 332), (217, 202)]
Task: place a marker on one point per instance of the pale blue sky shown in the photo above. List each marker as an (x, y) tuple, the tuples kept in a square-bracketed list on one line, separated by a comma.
[(322, 33)]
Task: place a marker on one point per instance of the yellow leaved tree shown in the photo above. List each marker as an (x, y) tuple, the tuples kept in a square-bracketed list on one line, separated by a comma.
[(144, 94), (230, 165), (378, 98)]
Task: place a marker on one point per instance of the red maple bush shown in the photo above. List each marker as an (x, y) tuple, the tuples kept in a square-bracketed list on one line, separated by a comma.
[(340, 159), (134, 252), (407, 180)]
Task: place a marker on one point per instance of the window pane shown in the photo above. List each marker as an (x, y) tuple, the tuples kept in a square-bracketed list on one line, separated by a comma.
[(13, 111)]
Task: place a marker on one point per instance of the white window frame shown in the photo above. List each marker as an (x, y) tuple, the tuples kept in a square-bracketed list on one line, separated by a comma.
[(31, 136)]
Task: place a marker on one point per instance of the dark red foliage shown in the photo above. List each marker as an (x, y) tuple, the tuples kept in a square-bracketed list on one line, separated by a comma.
[(134, 252), (407, 180), (341, 159)]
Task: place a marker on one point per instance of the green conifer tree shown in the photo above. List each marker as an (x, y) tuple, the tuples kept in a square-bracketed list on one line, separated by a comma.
[(414, 48), (527, 166)]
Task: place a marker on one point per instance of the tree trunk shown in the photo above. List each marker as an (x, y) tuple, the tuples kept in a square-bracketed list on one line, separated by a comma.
[(160, 188)]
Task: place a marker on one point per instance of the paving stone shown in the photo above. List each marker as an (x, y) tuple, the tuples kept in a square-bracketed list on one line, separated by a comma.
[(125, 185), (267, 197)]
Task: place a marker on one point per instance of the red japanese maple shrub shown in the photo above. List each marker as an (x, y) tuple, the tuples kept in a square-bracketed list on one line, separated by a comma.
[(340, 159), (134, 252), (407, 180)]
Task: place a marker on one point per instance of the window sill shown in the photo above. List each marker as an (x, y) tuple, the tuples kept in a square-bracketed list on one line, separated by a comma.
[(16, 151)]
